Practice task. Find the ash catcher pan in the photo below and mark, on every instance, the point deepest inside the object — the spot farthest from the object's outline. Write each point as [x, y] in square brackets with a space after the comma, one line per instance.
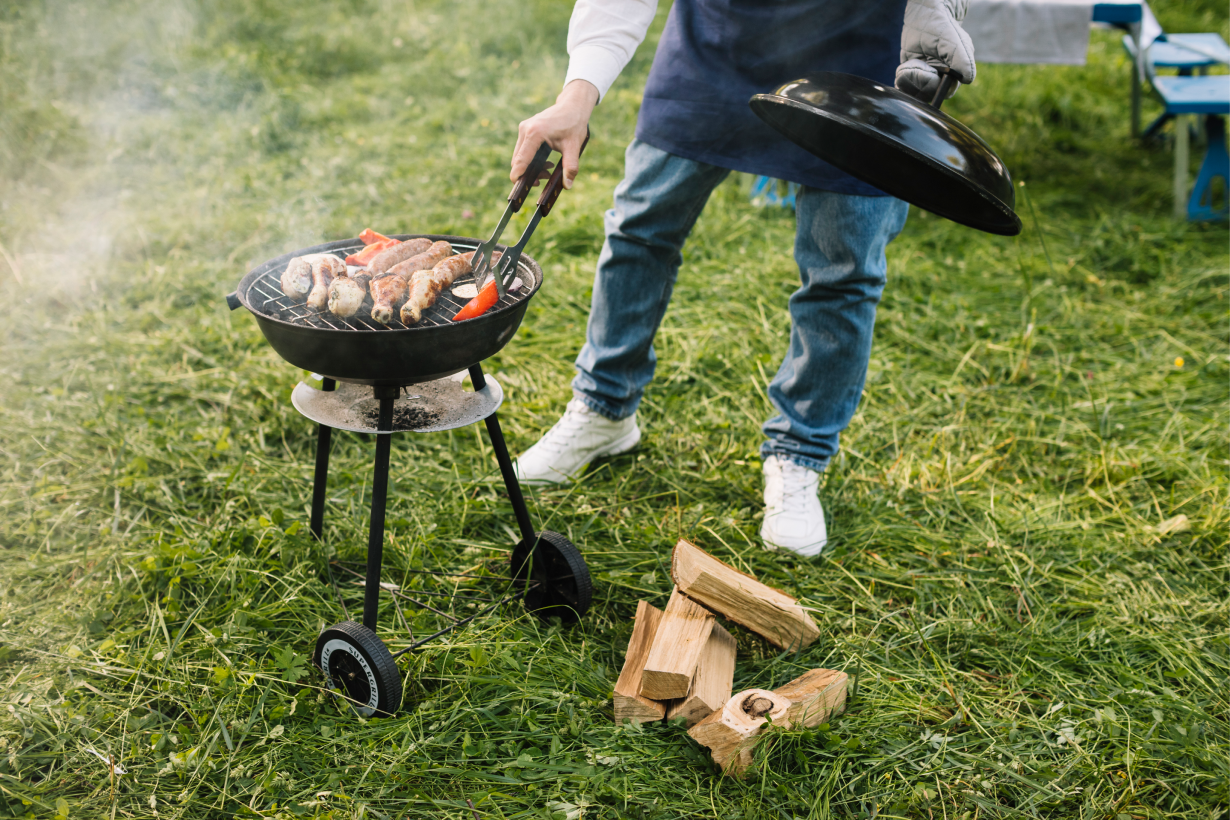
[907, 148]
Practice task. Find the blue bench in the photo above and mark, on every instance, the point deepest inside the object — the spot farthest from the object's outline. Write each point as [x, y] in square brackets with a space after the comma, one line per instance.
[765, 192]
[1207, 97]
[1186, 53]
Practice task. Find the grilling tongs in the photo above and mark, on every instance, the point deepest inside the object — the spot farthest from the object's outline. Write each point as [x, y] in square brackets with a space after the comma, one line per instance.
[481, 260]
[555, 185]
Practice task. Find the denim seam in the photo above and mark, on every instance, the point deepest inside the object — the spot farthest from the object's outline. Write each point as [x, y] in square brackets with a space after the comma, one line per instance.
[598, 408]
[802, 461]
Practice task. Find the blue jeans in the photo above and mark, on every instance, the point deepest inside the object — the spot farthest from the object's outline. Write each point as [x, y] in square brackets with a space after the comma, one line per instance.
[839, 247]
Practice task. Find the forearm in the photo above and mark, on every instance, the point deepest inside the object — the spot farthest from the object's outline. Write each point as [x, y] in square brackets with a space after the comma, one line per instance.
[581, 96]
[602, 37]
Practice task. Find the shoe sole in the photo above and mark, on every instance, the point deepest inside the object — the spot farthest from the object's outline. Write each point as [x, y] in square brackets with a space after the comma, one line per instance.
[615, 448]
[810, 551]
[806, 551]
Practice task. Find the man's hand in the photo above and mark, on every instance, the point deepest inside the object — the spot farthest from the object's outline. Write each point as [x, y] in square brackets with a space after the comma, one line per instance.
[562, 126]
[932, 39]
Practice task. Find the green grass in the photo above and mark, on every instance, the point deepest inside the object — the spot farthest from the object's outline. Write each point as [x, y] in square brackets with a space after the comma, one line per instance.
[1026, 641]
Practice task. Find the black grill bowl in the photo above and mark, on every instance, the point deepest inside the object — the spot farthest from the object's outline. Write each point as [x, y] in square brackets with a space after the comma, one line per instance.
[388, 356]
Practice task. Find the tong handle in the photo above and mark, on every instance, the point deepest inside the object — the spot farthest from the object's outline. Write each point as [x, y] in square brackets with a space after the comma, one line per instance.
[530, 178]
[555, 185]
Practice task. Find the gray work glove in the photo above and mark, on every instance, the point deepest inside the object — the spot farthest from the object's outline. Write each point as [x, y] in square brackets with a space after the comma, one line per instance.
[932, 39]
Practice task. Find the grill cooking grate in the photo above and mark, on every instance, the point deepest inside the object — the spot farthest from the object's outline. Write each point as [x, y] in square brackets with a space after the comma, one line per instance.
[265, 295]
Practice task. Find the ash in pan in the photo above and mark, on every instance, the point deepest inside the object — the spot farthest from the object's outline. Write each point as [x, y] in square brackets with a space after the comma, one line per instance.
[405, 417]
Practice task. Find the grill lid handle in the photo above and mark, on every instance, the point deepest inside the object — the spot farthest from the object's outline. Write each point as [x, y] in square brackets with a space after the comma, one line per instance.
[232, 301]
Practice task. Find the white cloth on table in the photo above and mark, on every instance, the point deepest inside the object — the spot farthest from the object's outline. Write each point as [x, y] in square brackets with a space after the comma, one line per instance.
[1039, 31]
[1030, 31]
[1150, 28]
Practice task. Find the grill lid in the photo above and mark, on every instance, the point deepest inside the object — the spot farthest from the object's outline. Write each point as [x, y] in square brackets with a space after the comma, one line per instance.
[904, 147]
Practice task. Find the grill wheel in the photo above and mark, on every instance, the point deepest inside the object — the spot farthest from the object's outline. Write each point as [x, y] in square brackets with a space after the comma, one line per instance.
[358, 663]
[554, 576]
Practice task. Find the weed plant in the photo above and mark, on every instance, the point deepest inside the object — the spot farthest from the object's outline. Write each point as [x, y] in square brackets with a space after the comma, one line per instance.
[1027, 572]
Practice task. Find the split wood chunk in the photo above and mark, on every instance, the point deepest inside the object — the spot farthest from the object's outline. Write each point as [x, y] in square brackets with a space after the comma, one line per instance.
[676, 649]
[715, 675]
[628, 701]
[815, 696]
[768, 612]
[731, 732]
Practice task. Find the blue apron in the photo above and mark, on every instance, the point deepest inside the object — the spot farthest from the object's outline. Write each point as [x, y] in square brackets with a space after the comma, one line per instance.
[715, 54]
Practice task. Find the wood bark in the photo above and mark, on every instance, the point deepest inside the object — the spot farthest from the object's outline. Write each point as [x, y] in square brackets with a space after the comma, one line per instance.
[680, 639]
[628, 701]
[711, 686]
[768, 612]
[731, 732]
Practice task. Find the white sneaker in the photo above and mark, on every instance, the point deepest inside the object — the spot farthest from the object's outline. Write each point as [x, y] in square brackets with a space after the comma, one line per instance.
[576, 439]
[793, 518]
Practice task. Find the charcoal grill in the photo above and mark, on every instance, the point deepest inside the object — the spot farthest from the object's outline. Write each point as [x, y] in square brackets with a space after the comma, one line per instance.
[362, 351]
[382, 380]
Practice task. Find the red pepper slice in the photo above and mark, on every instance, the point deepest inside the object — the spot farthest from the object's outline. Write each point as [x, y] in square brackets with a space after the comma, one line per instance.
[370, 237]
[480, 304]
[364, 256]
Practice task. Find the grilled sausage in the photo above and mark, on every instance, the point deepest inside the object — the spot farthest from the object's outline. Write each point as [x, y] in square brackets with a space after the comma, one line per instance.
[425, 286]
[423, 261]
[346, 295]
[324, 268]
[389, 257]
[455, 267]
[388, 294]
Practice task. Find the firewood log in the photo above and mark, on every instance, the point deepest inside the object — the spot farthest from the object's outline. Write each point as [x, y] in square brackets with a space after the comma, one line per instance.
[815, 696]
[715, 674]
[676, 649]
[628, 701]
[735, 595]
[731, 732]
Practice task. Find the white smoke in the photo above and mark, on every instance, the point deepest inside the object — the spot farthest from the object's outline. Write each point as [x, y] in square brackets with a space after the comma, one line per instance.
[151, 122]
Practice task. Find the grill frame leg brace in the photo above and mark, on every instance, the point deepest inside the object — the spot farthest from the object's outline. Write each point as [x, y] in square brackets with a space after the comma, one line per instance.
[320, 483]
[380, 491]
[506, 467]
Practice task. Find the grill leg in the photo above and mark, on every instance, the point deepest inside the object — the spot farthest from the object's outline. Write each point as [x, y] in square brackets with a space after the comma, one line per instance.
[380, 492]
[506, 468]
[324, 438]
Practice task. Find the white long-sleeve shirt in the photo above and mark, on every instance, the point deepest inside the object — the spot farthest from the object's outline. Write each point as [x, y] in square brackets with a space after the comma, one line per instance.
[603, 36]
